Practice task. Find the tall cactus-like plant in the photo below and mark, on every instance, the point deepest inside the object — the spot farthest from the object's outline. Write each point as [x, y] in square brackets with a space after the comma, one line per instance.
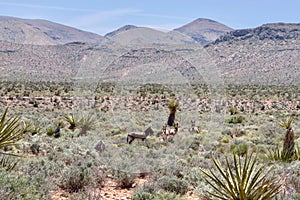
[289, 140]
[172, 105]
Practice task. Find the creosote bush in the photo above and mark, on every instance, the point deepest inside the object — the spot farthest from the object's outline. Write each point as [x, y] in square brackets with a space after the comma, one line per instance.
[173, 184]
[124, 179]
[74, 179]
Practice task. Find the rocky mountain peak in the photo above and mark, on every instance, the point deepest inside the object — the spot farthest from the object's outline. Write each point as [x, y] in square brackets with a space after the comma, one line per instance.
[274, 31]
[204, 30]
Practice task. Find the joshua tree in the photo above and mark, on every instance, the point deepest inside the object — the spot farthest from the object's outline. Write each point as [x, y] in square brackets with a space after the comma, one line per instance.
[172, 105]
[289, 140]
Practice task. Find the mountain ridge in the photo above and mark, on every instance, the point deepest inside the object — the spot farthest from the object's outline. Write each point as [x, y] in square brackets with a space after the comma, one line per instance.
[42, 32]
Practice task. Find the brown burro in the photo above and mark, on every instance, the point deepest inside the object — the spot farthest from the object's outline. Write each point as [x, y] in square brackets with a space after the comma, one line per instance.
[139, 135]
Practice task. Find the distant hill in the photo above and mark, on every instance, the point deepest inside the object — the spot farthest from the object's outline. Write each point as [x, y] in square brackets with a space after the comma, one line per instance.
[132, 35]
[274, 31]
[268, 54]
[120, 30]
[42, 32]
[204, 30]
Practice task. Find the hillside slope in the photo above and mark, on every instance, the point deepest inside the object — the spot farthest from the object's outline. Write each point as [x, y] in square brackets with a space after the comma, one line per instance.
[42, 32]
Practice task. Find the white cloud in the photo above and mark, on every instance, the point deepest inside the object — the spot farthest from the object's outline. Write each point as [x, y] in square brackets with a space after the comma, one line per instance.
[103, 16]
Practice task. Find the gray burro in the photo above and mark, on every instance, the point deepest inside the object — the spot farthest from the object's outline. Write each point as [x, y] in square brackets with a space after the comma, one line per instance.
[139, 135]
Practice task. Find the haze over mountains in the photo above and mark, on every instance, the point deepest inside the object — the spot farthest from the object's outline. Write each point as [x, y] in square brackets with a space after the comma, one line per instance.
[202, 50]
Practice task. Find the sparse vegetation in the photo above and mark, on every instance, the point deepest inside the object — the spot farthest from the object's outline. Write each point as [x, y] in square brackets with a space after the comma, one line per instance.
[170, 168]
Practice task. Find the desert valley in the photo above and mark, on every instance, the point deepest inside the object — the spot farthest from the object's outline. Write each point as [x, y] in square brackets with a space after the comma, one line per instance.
[69, 100]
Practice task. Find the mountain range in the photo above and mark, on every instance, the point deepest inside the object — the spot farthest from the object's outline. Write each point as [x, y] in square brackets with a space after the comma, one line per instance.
[203, 50]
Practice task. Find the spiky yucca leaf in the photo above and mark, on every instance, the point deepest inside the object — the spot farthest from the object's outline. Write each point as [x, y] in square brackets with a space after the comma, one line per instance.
[245, 179]
[173, 105]
[7, 164]
[287, 123]
[9, 131]
[10, 134]
[73, 121]
[86, 123]
[278, 154]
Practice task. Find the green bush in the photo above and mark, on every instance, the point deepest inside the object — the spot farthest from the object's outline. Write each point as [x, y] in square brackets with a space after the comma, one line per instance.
[240, 149]
[236, 119]
[124, 179]
[18, 187]
[173, 184]
[74, 179]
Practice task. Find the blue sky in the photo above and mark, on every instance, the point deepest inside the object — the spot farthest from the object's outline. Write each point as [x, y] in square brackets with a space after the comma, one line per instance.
[104, 16]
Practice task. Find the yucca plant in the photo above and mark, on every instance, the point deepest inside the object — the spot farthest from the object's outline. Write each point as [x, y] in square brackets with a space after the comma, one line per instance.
[289, 140]
[278, 154]
[243, 180]
[87, 123]
[26, 126]
[72, 121]
[10, 134]
[172, 105]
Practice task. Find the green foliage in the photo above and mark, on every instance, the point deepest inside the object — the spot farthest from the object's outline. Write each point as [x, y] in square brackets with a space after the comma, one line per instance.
[166, 195]
[240, 149]
[236, 119]
[73, 121]
[10, 133]
[75, 179]
[289, 139]
[277, 154]
[87, 123]
[287, 124]
[18, 187]
[245, 179]
[173, 105]
[124, 179]
[173, 184]
[50, 131]
[146, 192]
[7, 163]
[233, 111]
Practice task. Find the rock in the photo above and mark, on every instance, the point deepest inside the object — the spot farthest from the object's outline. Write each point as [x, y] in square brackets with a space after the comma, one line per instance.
[100, 146]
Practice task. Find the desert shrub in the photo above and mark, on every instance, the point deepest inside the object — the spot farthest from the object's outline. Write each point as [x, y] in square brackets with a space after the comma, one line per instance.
[244, 179]
[86, 123]
[75, 178]
[50, 131]
[72, 120]
[236, 119]
[146, 192]
[16, 186]
[124, 179]
[141, 195]
[239, 149]
[173, 184]
[166, 195]
[194, 177]
[233, 111]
